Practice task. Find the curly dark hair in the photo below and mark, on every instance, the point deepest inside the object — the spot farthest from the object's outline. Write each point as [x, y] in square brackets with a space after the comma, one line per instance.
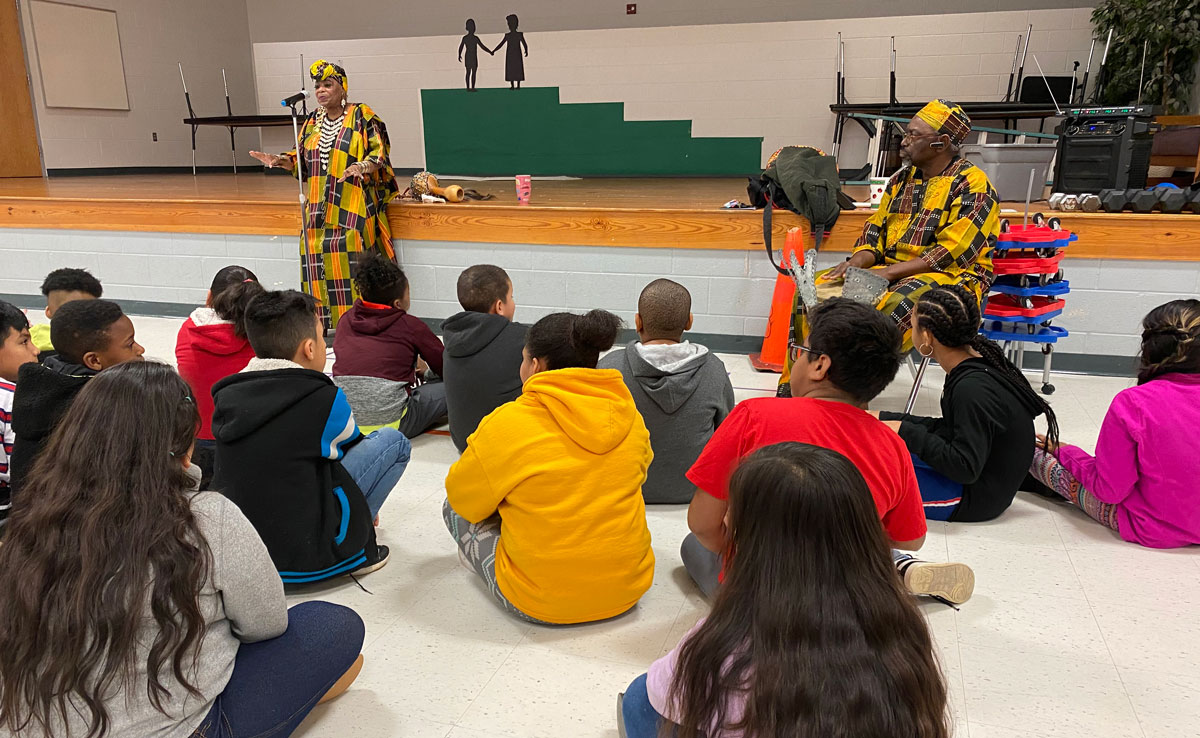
[1170, 340]
[72, 280]
[379, 279]
[951, 313]
[82, 326]
[863, 346]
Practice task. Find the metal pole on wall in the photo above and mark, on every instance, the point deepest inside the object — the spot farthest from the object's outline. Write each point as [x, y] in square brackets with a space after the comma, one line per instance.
[191, 114]
[229, 110]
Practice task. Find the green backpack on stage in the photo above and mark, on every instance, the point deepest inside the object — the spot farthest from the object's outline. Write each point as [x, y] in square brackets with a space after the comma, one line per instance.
[804, 180]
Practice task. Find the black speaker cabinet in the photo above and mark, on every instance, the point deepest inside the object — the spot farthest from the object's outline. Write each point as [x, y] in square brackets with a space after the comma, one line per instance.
[1104, 148]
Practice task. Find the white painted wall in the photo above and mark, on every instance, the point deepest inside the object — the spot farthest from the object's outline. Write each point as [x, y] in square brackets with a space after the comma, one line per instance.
[301, 20]
[773, 80]
[155, 36]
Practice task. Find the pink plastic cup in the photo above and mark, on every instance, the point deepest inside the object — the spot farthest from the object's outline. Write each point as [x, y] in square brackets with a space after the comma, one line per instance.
[524, 187]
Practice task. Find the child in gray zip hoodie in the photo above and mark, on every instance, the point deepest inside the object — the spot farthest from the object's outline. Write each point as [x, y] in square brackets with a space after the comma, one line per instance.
[681, 389]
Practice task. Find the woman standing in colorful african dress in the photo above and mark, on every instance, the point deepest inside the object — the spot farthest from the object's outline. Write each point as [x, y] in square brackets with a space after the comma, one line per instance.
[350, 181]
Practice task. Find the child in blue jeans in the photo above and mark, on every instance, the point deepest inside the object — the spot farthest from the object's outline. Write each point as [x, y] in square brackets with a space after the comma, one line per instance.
[199, 639]
[291, 455]
[969, 462]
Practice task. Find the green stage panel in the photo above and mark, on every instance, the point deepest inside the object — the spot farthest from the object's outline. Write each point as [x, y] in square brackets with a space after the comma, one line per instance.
[529, 131]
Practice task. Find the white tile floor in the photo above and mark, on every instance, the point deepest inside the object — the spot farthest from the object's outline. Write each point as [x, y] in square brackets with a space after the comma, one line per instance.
[1071, 631]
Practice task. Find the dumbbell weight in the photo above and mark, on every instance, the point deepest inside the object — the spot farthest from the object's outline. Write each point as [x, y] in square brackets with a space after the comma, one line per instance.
[1144, 201]
[1193, 204]
[1172, 200]
[1114, 201]
[1056, 200]
[1089, 203]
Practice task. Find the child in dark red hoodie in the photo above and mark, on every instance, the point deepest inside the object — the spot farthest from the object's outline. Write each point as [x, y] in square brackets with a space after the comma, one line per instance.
[378, 347]
[212, 345]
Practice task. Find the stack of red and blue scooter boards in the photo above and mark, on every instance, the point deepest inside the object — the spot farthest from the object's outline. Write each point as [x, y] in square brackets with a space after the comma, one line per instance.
[1029, 288]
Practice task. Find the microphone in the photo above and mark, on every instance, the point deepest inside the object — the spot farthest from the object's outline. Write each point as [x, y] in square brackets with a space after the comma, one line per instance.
[937, 145]
[293, 99]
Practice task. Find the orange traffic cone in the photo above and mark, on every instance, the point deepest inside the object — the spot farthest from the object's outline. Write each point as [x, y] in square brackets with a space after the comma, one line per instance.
[775, 340]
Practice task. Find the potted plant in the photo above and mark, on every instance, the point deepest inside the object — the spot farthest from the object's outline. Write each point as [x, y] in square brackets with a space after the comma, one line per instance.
[1172, 30]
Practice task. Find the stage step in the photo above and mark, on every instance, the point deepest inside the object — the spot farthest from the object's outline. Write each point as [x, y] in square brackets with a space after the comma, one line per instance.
[497, 131]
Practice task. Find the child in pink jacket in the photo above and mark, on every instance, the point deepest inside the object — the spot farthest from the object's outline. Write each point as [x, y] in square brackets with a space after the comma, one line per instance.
[1142, 482]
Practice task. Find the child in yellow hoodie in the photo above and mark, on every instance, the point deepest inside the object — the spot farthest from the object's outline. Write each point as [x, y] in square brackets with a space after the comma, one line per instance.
[546, 502]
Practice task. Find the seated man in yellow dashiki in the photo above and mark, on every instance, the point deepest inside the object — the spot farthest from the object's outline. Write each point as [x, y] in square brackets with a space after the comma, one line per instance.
[937, 222]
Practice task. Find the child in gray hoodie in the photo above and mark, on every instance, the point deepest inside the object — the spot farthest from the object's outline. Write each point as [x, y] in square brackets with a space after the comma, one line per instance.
[483, 350]
[681, 389]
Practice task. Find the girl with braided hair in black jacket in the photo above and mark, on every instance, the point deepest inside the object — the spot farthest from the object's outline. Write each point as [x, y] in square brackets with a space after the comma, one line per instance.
[971, 461]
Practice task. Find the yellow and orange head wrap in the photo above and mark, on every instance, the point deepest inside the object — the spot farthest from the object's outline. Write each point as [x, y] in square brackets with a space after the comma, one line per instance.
[946, 117]
[322, 70]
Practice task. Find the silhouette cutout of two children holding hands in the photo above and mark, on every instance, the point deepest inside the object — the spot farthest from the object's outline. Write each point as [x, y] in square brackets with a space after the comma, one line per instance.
[514, 62]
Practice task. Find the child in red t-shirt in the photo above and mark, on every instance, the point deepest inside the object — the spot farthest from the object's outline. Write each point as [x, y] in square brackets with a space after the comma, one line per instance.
[851, 355]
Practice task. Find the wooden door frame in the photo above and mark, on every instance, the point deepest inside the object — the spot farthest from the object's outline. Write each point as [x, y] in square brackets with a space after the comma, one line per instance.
[18, 18]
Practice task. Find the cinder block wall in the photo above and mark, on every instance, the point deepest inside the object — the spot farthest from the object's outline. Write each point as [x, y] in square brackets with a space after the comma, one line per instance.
[168, 274]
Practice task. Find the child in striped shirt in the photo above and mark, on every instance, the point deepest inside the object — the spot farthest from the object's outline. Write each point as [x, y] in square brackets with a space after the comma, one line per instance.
[16, 348]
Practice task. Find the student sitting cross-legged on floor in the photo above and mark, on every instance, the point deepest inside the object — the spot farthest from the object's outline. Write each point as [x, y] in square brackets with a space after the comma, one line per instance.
[290, 454]
[851, 355]
[212, 345]
[681, 389]
[16, 350]
[971, 461]
[546, 502]
[90, 335]
[378, 347]
[483, 350]
[1142, 481]
[60, 287]
[135, 604]
[811, 634]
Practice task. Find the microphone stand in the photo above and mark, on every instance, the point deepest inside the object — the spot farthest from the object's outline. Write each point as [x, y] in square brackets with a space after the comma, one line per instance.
[300, 180]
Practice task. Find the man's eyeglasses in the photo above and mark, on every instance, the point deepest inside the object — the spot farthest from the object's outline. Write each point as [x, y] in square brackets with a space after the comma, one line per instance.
[794, 349]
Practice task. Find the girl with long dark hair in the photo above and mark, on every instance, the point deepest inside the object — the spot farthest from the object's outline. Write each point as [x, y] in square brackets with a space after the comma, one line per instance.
[133, 605]
[1141, 482]
[546, 502]
[971, 461]
[812, 632]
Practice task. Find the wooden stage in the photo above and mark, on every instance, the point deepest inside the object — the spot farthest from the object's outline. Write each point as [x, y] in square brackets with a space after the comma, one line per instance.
[647, 212]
